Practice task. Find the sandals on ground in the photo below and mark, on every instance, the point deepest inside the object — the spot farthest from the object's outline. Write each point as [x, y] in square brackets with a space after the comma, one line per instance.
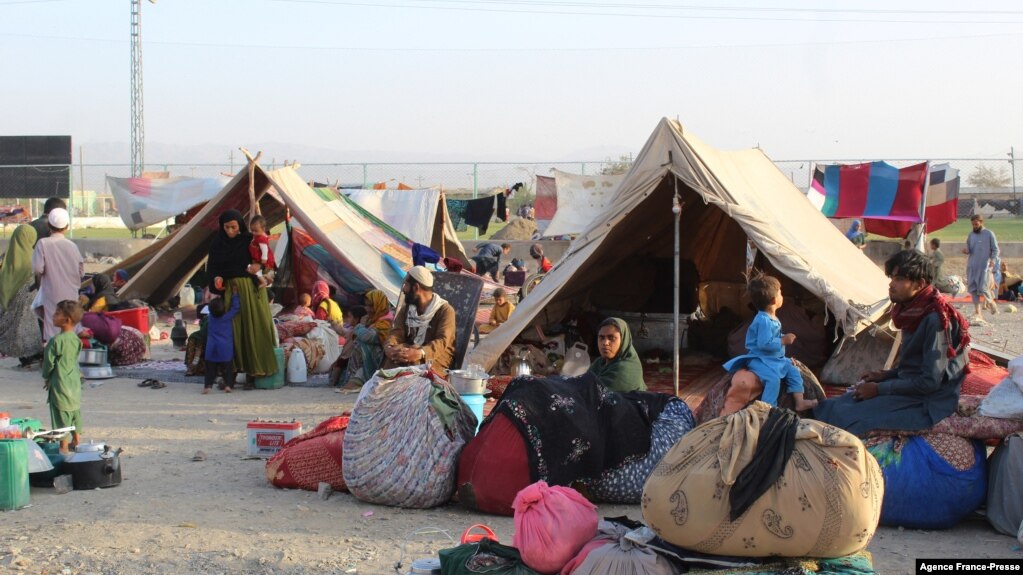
[157, 384]
[148, 383]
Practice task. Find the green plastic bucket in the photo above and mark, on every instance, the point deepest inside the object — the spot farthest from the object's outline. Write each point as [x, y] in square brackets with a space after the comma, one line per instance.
[14, 488]
[275, 381]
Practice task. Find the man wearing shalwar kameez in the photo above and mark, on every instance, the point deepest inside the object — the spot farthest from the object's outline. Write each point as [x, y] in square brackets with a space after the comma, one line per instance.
[58, 264]
[982, 249]
[924, 388]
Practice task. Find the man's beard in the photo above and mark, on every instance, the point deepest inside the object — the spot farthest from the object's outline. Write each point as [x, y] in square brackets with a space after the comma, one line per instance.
[978, 230]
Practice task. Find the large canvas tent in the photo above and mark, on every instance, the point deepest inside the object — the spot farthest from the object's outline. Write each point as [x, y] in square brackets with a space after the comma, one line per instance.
[352, 238]
[624, 257]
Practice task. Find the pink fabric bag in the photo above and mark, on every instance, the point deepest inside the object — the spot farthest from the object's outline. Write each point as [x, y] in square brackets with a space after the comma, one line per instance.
[551, 525]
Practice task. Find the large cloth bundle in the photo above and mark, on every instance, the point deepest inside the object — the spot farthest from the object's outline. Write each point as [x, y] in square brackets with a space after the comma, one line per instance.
[493, 467]
[611, 553]
[403, 441]
[485, 556]
[1004, 496]
[551, 525]
[311, 458]
[575, 428]
[931, 481]
[624, 484]
[824, 502]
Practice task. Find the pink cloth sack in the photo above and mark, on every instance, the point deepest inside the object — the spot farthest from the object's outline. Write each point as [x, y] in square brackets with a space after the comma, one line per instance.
[551, 525]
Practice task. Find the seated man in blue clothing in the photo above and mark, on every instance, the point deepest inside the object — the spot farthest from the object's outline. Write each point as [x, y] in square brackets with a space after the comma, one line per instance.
[924, 387]
[487, 258]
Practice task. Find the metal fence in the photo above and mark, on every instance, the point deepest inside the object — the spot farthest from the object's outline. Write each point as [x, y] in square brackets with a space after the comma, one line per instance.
[988, 186]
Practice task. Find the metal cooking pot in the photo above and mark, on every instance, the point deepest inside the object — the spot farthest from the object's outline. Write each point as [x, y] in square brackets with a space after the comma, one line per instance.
[92, 357]
[94, 465]
[97, 371]
[467, 382]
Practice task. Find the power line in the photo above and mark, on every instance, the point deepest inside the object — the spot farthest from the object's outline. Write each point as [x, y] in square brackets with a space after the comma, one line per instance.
[638, 15]
[520, 49]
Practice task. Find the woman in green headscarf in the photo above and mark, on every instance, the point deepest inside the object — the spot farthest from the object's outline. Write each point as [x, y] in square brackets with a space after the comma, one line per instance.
[618, 366]
[19, 329]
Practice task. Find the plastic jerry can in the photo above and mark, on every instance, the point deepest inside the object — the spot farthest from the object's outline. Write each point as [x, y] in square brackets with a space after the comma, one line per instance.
[14, 489]
[275, 380]
[297, 366]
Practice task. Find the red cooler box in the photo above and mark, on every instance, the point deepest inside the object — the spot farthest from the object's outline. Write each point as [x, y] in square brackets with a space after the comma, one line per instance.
[266, 438]
[137, 318]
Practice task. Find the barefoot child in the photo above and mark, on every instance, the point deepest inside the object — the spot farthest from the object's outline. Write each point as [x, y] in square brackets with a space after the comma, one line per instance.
[260, 251]
[220, 343]
[765, 347]
[63, 379]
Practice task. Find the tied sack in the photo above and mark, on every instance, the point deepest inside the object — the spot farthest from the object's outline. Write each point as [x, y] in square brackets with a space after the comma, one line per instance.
[311, 458]
[551, 525]
[825, 502]
[403, 440]
[612, 553]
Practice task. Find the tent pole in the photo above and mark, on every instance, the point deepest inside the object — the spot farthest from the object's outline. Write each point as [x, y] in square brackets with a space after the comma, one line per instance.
[443, 227]
[676, 210]
[922, 235]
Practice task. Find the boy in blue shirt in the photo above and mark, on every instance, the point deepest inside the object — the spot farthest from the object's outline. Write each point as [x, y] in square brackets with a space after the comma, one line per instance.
[220, 343]
[765, 347]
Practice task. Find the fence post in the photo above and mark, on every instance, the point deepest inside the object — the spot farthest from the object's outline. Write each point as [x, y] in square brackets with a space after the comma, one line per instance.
[582, 168]
[365, 176]
[475, 189]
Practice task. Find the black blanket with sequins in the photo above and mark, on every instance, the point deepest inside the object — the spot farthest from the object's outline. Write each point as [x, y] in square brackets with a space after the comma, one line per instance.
[575, 428]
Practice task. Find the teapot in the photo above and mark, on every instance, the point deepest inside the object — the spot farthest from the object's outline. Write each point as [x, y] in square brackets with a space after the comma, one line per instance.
[520, 366]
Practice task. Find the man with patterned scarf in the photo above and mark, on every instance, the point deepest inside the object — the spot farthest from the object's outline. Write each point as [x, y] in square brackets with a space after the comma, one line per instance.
[424, 326]
[924, 387]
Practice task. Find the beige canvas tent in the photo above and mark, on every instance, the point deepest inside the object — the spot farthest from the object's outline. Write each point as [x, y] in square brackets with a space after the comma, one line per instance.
[623, 260]
[351, 238]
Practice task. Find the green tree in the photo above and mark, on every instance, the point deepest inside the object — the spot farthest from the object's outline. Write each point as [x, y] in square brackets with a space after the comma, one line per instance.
[985, 176]
[615, 167]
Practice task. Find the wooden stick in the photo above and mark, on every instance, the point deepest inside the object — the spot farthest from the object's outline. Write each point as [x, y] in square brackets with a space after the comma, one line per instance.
[894, 352]
[253, 204]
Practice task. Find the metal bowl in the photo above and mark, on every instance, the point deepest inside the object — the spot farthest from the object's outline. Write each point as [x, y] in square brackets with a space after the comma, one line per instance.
[97, 372]
[467, 382]
[92, 357]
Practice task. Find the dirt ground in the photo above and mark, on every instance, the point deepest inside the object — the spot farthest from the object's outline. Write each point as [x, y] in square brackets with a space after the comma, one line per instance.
[173, 515]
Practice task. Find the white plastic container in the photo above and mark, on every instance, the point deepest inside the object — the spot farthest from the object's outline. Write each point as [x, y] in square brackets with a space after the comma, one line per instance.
[297, 366]
[187, 296]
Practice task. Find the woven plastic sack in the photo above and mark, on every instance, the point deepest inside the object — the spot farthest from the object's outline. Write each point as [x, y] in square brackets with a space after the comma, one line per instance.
[931, 481]
[397, 450]
[624, 484]
[826, 503]
[551, 525]
[1004, 497]
[311, 458]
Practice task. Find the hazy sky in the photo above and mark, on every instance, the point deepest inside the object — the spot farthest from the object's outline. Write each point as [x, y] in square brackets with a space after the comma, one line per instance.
[524, 79]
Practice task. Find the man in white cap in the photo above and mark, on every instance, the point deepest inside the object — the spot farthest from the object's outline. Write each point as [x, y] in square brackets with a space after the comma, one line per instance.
[58, 265]
[424, 326]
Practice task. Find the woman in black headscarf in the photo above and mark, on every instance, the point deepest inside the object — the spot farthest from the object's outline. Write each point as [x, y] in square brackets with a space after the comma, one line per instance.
[230, 267]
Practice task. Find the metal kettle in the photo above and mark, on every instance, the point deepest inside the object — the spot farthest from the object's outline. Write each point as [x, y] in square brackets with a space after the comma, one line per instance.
[520, 366]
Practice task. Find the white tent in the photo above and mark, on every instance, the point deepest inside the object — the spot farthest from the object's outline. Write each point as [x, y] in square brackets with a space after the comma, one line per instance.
[421, 215]
[728, 197]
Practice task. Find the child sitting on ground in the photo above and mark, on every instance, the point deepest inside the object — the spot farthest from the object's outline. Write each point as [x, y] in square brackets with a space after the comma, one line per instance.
[765, 347]
[304, 306]
[260, 251]
[220, 343]
[61, 375]
[502, 308]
